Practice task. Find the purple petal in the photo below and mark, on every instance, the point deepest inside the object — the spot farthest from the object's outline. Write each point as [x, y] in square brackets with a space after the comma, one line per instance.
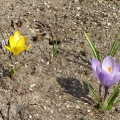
[96, 75]
[109, 62]
[98, 70]
[94, 65]
[116, 77]
[105, 78]
[117, 68]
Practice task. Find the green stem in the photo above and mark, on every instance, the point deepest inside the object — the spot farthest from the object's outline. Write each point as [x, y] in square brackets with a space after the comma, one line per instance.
[11, 70]
[105, 103]
[25, 62]
[104, 106]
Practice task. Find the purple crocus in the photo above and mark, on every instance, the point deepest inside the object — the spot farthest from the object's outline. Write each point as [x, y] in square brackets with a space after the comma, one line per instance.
[106, 72]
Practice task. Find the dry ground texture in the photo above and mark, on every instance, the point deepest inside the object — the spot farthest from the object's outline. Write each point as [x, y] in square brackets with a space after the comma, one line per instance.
[45, 90]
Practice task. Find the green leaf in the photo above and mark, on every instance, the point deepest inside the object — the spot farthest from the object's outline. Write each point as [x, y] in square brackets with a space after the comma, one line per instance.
[114, 48]
[112, 98]
[113, 104]
[94, 93]
[116, 102]
[95, 52]
[25, 62]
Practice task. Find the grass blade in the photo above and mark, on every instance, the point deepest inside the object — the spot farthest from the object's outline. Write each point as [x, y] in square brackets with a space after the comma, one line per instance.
[116, 103]
[113, 97]
[94, 93]
[113, 50]
[95, 52]
[25, 62]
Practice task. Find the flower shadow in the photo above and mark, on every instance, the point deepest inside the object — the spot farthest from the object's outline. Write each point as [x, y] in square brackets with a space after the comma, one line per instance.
[75, 88]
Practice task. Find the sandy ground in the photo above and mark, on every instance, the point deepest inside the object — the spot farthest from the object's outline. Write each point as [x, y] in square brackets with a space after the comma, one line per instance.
[45, 90]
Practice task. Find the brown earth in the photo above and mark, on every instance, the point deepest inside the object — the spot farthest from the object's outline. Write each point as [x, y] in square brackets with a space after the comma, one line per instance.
[45, 90]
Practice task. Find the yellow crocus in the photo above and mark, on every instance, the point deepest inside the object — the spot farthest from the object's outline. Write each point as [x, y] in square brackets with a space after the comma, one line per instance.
[17, 43]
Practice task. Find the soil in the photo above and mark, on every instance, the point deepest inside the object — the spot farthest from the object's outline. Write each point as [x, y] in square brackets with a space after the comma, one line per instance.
[54, 89]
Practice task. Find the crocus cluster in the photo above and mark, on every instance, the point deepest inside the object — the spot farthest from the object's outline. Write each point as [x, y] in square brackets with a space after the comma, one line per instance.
[17, 44]
[107, 72]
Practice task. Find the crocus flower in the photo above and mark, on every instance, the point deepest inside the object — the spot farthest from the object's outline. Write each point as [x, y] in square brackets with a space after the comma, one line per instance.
[17, 44]
[106, 72]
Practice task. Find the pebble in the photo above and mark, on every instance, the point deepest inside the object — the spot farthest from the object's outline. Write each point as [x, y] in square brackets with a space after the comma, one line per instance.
[115, 14]
[88, 110]
[44, 107]
[67, 106]
[108, 24]
[77, 14]
[76, 1]
[78, 101]
[55, 69]
[32, 85]
[48, 63]
[44, 3]
[48, 6]
[51, 111]
[78, 8]
[60, 97]
[30, 116]
[77, 107]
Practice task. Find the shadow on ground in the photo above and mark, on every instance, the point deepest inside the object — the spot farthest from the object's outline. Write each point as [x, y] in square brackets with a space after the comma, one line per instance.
[75, 88]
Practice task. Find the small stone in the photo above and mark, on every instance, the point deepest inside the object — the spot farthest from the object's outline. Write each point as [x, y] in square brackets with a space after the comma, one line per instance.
[77, 15]
[48, 6]
[32, 85]
[55, 69]
[51, 111]
[76, 1]
[48, 63]
[45, 3]
[77, 107]
[114, 14]
[37, 10]
[67, 106]
[30, 116]
[78, 8]
[60, 97]
[44, 107]
[32, 31]
[88, 110]
[108, 24]
[78, 101]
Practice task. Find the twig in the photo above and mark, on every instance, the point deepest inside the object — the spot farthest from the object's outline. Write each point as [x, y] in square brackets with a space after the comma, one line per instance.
[2, 115]
[8, 111]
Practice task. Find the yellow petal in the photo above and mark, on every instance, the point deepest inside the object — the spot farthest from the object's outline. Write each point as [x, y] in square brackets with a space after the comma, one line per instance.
[20, 46]
[8, 48]
[28, 47]
[16, 36]
[21, 43]
[12, 42]
[15, 51]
